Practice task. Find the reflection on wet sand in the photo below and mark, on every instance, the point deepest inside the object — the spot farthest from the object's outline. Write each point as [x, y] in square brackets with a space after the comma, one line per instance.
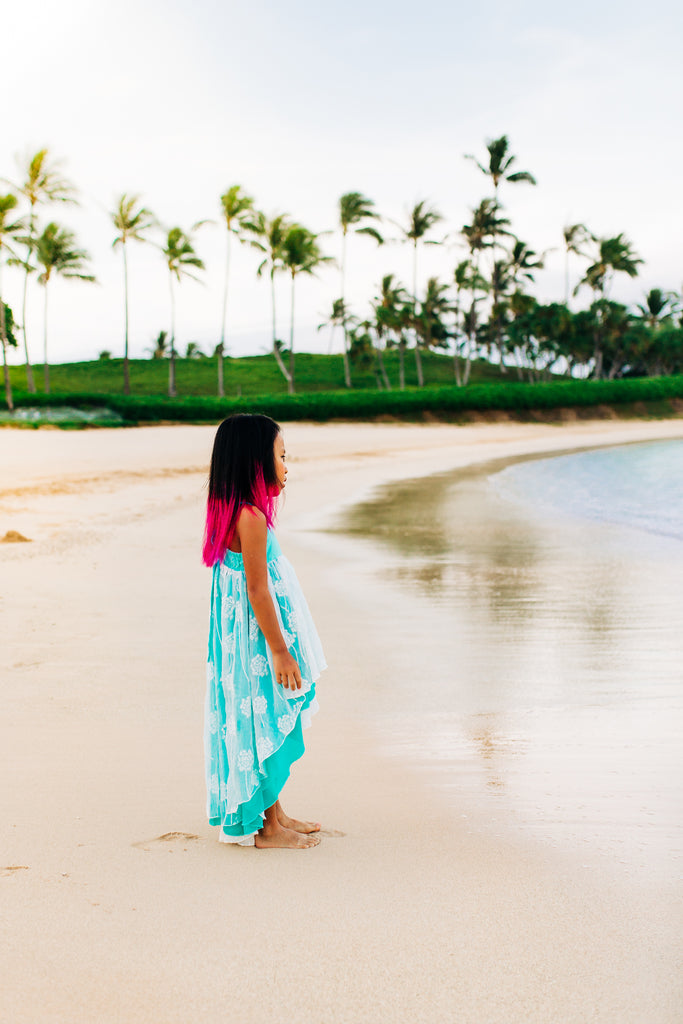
[553, 656]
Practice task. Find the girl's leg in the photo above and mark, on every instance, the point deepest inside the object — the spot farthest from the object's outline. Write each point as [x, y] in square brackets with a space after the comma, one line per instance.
[273, 834]
[306, 827]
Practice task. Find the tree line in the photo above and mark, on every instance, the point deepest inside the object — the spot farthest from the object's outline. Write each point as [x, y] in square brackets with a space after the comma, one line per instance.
[484, 310]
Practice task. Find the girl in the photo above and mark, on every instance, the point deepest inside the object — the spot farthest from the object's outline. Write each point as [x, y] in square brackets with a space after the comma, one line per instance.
[264, 652]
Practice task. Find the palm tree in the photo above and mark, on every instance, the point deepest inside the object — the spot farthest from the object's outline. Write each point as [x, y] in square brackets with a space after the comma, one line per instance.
[236, 207]
[179, 254]
[392, 312]
[421, 220]
[354, 208]
[659, 307]
[56, 253]
[466, 278]
[131, 221]
[501, 282]
[435, 307]
[576, 236]
[499, 166]
[268, 237]
[523, 261]
[300, 255]
[615, 255]
[43, 183]
[158, 351]
[337, 317]
[488, 223]
[8, 341]
[10, 229]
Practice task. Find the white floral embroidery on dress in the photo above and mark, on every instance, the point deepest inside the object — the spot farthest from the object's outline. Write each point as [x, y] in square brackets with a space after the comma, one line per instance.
[228, 576]
[285, 723]
[279, 588]
[259, 665]
[245, 706]
[239, 615]
[231, 643]
[213, 721]
[213, 784]
[245, 760]
[253, 628]
[224, 791]
[288, 638]
[293, 619]
[260, 705]
[264, 747]
[230, 727]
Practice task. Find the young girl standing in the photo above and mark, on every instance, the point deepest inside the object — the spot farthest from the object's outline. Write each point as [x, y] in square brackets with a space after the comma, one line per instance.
[264, 653]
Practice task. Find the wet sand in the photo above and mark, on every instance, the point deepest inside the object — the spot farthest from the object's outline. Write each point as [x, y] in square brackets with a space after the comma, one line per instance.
[555, 701]
[120, 903]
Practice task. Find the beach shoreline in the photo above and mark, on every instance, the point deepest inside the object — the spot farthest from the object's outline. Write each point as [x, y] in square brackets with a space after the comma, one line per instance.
[122, 905]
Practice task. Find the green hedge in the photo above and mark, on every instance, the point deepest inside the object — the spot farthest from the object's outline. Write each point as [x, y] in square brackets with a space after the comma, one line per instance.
[320, 406]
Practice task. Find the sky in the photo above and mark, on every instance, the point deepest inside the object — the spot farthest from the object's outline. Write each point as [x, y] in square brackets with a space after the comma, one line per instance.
[301, 102]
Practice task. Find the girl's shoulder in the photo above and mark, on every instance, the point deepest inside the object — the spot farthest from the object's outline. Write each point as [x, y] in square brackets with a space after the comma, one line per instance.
[247, 511]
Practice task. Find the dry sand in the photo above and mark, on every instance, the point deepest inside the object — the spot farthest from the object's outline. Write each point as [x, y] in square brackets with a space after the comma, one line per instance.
[117, 902]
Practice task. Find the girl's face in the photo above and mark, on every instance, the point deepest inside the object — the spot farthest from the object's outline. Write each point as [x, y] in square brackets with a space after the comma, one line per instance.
[280, 467]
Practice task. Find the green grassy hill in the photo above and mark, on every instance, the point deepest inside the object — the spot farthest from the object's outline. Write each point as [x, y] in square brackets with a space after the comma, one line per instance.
[249, 375]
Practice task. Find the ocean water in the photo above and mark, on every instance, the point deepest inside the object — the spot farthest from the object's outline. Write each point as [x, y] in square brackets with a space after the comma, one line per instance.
[638, 486]
[534, 614]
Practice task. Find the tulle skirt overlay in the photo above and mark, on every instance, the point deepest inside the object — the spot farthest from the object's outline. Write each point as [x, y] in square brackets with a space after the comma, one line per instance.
[253, 725]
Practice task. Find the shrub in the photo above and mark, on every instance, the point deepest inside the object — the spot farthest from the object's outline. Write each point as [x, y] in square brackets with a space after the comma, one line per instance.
[367, 404]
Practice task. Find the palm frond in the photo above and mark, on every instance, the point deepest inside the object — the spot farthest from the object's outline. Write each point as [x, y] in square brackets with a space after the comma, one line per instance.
[354, 207]
[373, 233]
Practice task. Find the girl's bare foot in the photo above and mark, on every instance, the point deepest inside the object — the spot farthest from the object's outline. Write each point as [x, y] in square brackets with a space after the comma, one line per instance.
[304, 827]
[278, 837]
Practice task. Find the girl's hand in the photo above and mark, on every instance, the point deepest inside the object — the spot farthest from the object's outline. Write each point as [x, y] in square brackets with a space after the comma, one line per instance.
[286, 671]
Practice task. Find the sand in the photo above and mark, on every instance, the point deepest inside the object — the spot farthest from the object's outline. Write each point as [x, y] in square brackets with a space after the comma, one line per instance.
[117, 902]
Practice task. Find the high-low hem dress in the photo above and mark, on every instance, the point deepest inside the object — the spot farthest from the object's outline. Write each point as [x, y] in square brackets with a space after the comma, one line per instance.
[253, 725]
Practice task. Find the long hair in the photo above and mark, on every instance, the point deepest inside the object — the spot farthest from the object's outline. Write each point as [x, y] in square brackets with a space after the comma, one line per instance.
[242, 473]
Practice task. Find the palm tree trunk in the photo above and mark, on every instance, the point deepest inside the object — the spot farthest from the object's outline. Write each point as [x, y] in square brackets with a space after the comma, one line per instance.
[126, 371]
[456, 358]
[276, 352]
[494, 282]
[221, 347]
[401, 363]
[172, 393]
[418, 360]
[5, 367]
[347, 368]
[290, 380]
[383, 369]
[31, 384]
[597, 343]
[418, 364]
[468, 362]
[46, 365]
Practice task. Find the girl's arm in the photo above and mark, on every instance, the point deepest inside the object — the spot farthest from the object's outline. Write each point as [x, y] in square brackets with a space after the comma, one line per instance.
[253, 537]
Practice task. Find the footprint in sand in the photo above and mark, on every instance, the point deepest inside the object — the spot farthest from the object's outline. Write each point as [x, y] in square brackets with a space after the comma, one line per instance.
[330, 833]
[10, 869]
[170, 841]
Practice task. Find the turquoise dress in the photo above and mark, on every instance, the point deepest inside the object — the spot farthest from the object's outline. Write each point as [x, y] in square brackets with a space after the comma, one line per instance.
[253, 725]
